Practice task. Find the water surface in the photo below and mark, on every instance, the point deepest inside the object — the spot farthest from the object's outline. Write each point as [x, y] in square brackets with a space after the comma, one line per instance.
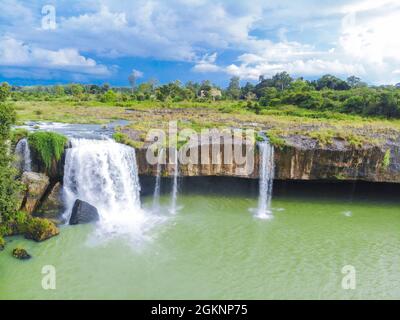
[214, 248]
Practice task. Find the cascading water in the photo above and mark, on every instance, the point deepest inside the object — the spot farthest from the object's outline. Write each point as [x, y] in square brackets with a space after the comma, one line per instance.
[24, 154]
[104, 174]
[157, 188]
[266, 180]
[174, 194]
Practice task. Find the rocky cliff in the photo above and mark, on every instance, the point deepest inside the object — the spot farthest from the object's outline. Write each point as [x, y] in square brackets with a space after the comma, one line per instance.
[302, 158]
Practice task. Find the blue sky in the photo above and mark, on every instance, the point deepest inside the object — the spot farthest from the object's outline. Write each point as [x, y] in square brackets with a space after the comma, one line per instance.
[97, 41]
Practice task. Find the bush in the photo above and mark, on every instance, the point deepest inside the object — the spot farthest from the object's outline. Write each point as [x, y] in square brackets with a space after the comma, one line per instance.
[9, 187]
[17, 135]
[49, 146]
[39, 229]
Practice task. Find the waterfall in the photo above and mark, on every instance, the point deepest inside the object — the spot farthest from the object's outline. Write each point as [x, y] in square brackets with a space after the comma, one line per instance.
[104, 174]
[174, 194]
[24, 154]
[157, 188]
[266, 173]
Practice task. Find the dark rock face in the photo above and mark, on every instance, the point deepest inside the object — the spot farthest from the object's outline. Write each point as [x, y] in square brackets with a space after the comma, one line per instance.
[52, 206]
[83, 212]
[21, 254]
[55, 172]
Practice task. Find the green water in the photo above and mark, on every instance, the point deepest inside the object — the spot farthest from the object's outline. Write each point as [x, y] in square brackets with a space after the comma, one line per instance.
[214, 249]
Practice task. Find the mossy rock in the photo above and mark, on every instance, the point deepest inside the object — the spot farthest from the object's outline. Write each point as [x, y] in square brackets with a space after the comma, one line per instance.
[39, 229]
[21, 254]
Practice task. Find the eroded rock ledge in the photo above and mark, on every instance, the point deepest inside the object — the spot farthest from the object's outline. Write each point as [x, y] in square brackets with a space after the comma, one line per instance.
[303, 158]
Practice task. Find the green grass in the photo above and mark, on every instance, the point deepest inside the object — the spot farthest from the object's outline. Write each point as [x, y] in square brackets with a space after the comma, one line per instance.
[49, 145]
[282, 121]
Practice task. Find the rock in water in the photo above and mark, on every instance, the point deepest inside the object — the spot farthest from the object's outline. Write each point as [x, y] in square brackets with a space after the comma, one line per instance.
[39, 229]
[83, 212]
[21, 254]
[36, 186]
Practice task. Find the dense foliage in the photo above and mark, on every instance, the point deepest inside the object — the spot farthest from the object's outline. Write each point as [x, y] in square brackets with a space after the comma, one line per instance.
[48, 145]
[328, 93]
[9, 187]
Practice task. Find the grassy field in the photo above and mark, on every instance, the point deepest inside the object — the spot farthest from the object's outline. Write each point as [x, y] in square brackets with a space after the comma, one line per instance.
[280, 122]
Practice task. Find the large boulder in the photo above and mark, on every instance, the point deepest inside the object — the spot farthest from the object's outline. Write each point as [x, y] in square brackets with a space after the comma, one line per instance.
[83, 212]
[36, 186]
[39, 229]
[52, 206]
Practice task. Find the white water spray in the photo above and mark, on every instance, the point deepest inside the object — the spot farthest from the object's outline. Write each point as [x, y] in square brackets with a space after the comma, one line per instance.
[174, 194]
[24, 154]
[157, 188]
[266, 180]
[104, 174]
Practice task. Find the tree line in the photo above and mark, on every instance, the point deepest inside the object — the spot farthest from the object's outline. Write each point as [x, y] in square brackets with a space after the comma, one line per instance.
[328, 93]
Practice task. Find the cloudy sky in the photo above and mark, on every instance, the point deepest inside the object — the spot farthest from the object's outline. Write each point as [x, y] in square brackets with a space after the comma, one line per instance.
[98, 41]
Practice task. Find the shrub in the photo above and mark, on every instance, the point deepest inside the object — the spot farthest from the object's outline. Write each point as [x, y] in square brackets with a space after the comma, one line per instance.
[124, 139]
[39, 229]
[17, 135]
[49, 146]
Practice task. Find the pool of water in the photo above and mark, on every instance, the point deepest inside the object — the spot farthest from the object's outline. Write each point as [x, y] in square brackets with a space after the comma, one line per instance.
[214, 248]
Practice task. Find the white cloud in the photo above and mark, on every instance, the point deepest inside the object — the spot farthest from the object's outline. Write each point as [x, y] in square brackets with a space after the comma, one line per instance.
[14, 53]
[304, 37]
[207, 64]
[138, 74]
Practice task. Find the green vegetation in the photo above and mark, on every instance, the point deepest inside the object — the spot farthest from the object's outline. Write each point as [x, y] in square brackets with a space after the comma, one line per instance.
[327, 94]
[2, 243]
[124, 139]
[49, 145]
[325, 109]
[18, 134]
[40, 229]
[9, 187]
[275, 139]
[386, 160]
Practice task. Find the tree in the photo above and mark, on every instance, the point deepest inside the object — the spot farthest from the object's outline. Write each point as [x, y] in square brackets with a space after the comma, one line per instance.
[331, 82]
[215, 93]
[282, 80]
[109, 96]
[353, 81]
[9, 187]
[59, 90]
[233, 90]
[105, 87]
[77, 90]
[4, 91]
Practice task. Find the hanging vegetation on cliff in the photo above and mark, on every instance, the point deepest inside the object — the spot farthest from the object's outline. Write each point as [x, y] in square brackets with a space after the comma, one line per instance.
[48, 145]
